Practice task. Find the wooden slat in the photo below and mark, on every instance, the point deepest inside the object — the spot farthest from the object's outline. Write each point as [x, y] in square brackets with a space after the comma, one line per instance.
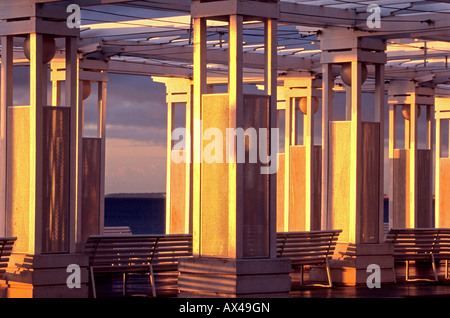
[307, 248]
[6, 246]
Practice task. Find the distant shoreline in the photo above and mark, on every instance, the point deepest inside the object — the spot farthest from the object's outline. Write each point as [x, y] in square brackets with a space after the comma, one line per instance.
[153, 195]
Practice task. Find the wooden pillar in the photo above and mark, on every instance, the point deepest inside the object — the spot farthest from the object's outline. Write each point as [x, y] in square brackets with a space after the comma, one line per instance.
[410, 197]
[442, 165]
[200, 82]
[270, 89]
[327, 115]
[39, 201]
[6, 95]
[234, 229]
[302, 182]
[353, 158]
[178, 193]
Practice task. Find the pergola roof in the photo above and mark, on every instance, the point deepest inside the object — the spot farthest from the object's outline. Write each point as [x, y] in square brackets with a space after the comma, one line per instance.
[154, 37]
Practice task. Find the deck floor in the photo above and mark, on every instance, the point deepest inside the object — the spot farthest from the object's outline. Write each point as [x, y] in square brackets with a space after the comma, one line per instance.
[138, 286]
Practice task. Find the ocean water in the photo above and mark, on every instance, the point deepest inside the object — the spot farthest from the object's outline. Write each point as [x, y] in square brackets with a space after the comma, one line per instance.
[147, 215]
[142, 215]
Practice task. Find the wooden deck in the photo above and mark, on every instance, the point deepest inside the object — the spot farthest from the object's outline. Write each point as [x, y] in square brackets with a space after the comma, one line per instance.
[110, 286]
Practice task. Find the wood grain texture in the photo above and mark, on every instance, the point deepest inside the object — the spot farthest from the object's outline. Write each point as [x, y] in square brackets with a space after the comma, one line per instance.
[177, 197]
[444, 193]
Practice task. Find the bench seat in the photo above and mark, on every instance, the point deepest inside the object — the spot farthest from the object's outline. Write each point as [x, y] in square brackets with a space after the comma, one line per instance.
[147, 254]
[308, 248]
[421, 244]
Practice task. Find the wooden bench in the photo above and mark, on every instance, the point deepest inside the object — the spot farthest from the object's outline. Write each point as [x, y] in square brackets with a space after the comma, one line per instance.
[145, 254]
[6, 246]
[421, 244]
[308, 248]
[441, 249]
[117, 230]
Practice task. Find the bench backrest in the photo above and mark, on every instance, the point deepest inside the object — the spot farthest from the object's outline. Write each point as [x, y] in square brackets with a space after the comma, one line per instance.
[419, 240]
[117, 230]
[442, 245]
[308, 246]
[136, 250]
[6, 246]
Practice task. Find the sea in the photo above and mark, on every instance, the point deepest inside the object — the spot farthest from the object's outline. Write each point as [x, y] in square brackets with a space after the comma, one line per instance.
[145, 213]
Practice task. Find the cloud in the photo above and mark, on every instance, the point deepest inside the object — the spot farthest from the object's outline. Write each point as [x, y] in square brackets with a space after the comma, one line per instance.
[136, 109]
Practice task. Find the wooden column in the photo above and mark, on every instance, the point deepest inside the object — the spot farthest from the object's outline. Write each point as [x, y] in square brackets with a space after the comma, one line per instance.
[327, 115]
[178, 193]
[234, 211]
[353, 158]
[200, 82]
[410, 197]
[442, 165]
[6, 95]
[302, 182]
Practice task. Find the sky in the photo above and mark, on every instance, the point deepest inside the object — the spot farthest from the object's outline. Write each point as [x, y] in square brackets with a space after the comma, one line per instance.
[136, 121]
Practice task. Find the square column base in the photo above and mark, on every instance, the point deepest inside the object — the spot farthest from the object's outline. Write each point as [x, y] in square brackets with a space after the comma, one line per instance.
[44, 276]
[348, 267]
[218, 277]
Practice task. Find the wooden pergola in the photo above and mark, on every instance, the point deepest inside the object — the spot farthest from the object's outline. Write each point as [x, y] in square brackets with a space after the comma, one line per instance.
[290, 50]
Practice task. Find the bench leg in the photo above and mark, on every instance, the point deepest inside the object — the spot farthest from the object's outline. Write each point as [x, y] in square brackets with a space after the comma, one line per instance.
[93, 282]
[301, 275]
[434, 267]
[393, 270]
[446, 269]
[330, 283]
[124, 284]
[152, 281]
[407, 270]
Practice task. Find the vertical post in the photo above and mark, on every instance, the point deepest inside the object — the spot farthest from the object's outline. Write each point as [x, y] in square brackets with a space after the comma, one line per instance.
[6, 95]
[102, 90]
[36, 142]
[355, 153]
[437, 181]
[56, 93]
[188, 160]
[287, 146]
[71, 88]
[379, 117]
[270, 88]
[170, 110]
[412, 161]
[408, 133]
[430, 113]
[348, 103]
[236, 97]
[308, 142]
[327, 100]
[392, 139]
[200, 78]
[429, 127]
[80, 136]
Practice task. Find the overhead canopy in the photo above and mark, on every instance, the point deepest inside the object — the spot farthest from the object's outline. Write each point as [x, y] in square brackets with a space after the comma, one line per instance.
[155, 37]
